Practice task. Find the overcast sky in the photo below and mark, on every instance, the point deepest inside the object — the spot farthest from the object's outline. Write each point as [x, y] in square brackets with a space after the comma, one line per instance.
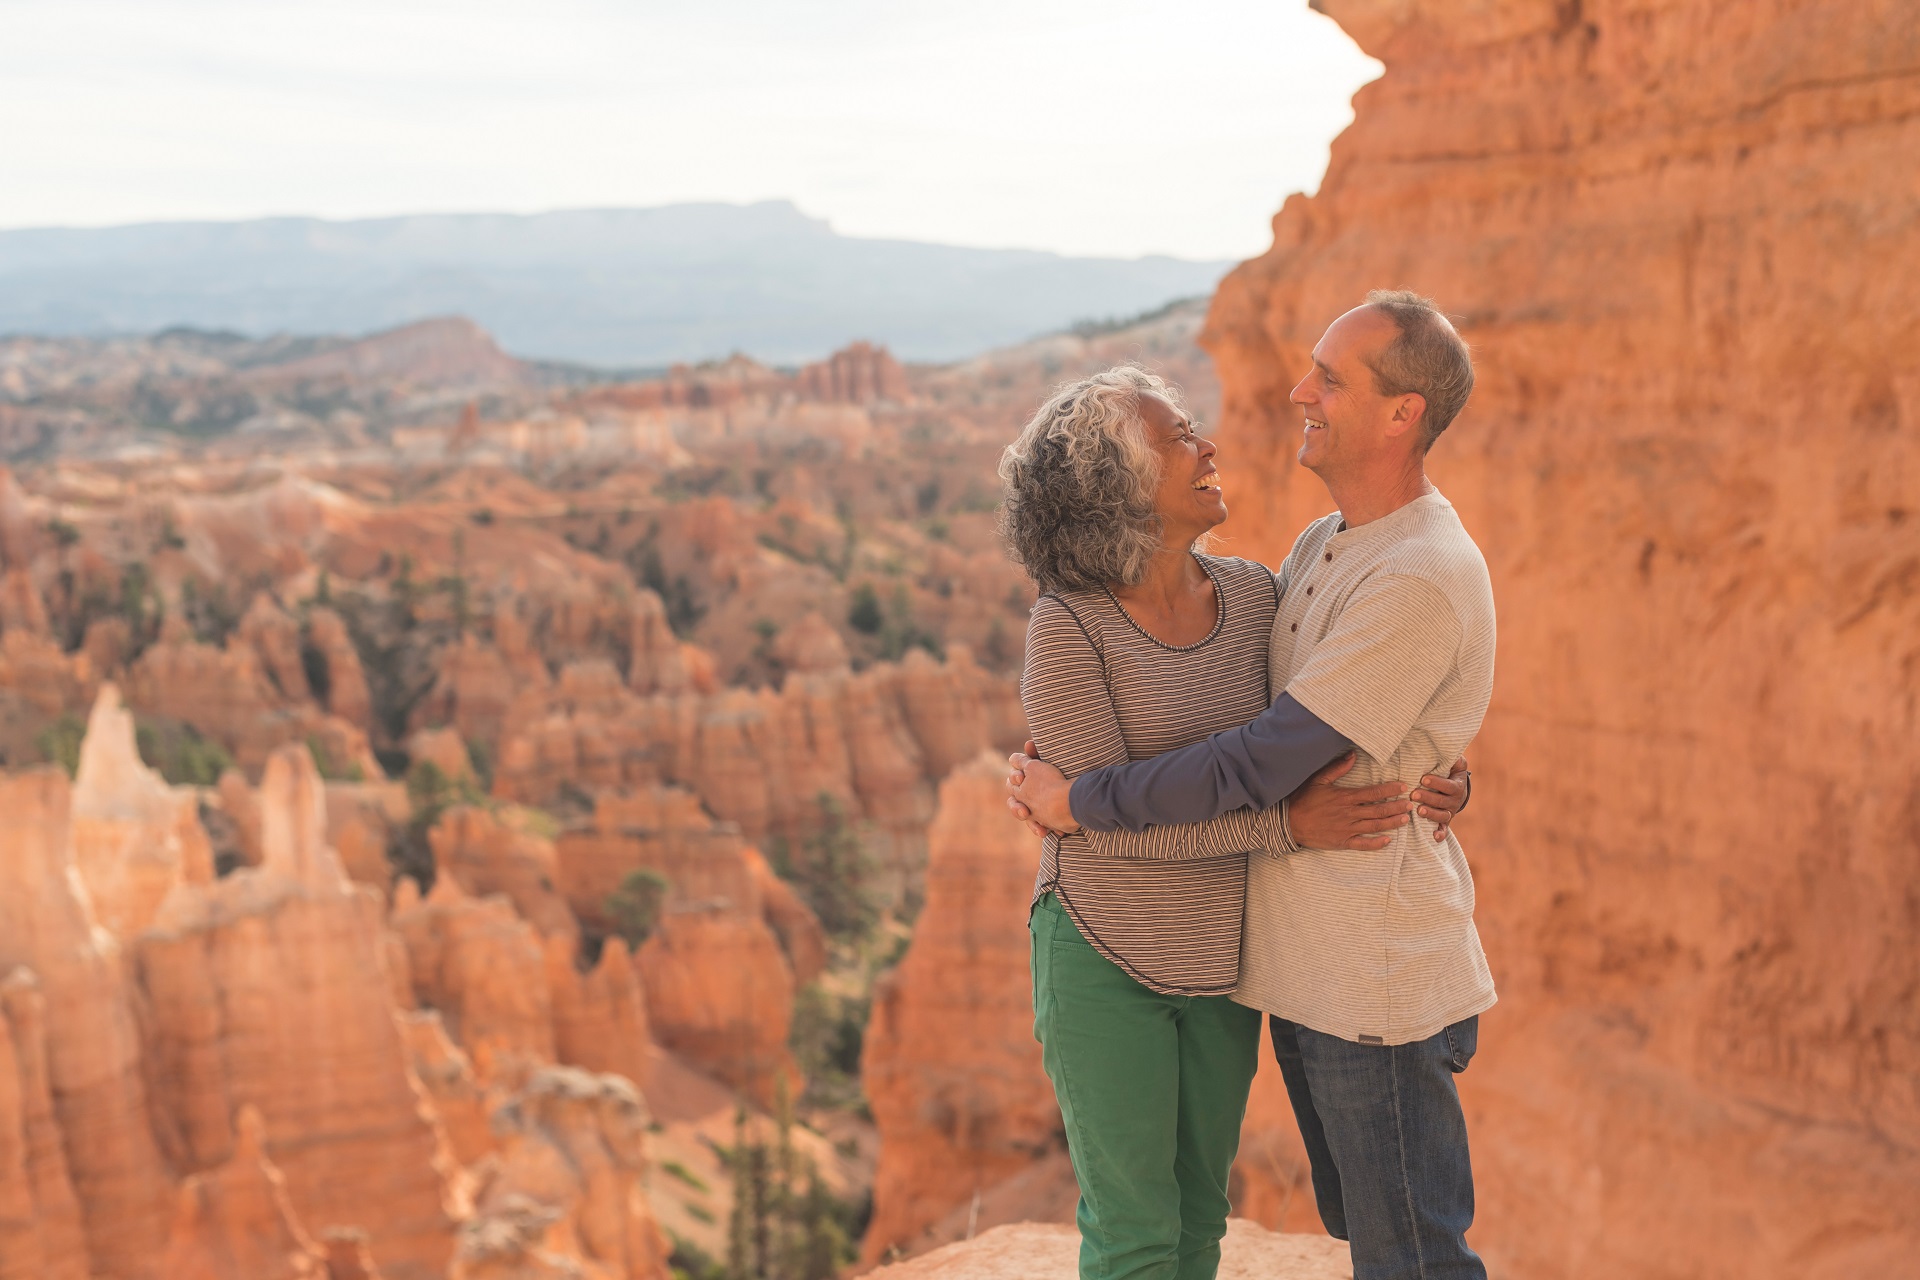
[1084, 126]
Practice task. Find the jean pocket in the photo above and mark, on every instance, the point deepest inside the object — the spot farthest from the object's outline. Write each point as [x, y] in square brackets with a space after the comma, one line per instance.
[1058, 926]
[1463, 1038]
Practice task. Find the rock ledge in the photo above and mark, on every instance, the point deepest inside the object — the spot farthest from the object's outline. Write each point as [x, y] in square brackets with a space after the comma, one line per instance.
[1041, 1251]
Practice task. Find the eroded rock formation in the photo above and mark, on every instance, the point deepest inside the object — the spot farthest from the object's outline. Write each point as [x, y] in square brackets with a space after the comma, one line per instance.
[488, 851]
[93, 1070]
[236, 1222]
[345, 693]
[134, 837]
[269, 989]
[482, 967]
[951, 1067]
[600, 1016]
[1681, 245]
[867, 746]
[251, 696]
[575, 1143]
[718, 983]
[40, 1232]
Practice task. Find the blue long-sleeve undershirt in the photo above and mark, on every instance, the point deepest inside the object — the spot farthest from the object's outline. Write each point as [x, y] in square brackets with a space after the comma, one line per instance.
[1256, 765]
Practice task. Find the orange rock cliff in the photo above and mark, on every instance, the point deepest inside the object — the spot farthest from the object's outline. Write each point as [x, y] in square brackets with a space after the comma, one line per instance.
[1675, 239]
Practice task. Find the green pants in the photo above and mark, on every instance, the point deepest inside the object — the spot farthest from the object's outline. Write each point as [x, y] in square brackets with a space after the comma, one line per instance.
[1152, 1089]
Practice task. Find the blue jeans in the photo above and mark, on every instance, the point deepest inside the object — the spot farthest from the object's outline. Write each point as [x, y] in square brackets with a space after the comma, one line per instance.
[1388, 1146]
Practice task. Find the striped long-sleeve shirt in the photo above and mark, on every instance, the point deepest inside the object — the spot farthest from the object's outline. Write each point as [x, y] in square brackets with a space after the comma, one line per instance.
[1164, 905]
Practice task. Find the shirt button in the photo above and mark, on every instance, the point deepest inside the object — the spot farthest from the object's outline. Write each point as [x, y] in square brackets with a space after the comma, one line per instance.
[1309, 590]
[1329, 557]
[1296, 626]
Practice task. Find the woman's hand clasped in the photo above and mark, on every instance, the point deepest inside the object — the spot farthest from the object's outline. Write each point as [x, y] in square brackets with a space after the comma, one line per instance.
[1323, 815]
[1037, 794]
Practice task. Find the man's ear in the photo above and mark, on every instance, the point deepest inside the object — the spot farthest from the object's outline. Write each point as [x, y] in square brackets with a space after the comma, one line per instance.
[1407, 414]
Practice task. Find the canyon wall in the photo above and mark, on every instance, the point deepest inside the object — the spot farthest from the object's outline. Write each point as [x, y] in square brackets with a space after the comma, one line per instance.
[1684, 240]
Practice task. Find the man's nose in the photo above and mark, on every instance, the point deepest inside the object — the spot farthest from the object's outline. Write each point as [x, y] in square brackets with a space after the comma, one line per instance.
[1300, 393]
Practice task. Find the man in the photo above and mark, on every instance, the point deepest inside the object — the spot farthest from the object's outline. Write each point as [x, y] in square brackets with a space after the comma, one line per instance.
[1367, 963]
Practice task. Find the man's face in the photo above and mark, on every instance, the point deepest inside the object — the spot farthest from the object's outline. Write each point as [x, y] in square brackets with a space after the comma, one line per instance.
[1348, 421]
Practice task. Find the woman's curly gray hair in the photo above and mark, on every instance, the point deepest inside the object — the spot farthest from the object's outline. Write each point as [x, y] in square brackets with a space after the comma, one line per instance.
[1078, 484]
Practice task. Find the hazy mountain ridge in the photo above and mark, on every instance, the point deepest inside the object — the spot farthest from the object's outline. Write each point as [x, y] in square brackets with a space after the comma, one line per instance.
[634, 287]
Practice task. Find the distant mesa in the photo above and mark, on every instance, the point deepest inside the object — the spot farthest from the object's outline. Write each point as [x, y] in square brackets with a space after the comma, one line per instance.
[446, 351]
[631, 288]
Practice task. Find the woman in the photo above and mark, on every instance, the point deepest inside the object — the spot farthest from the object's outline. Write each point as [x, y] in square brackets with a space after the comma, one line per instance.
[1141, 643]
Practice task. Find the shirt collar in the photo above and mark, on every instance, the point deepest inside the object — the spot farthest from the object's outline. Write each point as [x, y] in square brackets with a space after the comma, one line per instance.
[1392, 522]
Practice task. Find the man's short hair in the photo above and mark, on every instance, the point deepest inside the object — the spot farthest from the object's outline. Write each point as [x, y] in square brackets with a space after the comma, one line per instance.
[1429, 358]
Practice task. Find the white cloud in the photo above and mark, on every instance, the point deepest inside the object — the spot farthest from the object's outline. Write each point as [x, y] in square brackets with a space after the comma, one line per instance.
[1087, 126]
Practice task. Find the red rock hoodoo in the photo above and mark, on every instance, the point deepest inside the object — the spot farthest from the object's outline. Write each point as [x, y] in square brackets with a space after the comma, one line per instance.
[76, 1047]
[952, 1070]
[1680, 239]
[269, 989]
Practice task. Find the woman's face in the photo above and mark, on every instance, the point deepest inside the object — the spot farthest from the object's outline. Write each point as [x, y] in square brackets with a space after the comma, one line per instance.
[1188, 500]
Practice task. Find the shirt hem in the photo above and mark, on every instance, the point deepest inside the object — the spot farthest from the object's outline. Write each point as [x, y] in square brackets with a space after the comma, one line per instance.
[1126, 966]
[1326, 1027]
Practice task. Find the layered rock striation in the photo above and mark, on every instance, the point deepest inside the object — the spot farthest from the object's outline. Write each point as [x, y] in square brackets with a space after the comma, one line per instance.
[237, 1223]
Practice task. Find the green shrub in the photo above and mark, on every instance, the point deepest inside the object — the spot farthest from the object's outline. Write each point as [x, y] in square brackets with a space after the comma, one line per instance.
[829, 1029]
[430, 793]
[686, 1175]
[864, 615]
[59, 742]
[834, 873]
[787, 1224]
[323, 761]
[635, 906]
[179, 752]
[689, 1261]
